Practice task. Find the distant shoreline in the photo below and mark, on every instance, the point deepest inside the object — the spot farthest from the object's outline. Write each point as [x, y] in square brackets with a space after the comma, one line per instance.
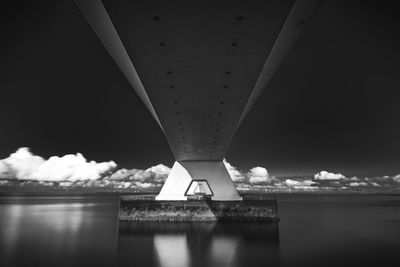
[255, 194]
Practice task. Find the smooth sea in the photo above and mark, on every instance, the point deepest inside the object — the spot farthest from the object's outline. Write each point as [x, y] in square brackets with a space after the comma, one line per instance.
[314, 230]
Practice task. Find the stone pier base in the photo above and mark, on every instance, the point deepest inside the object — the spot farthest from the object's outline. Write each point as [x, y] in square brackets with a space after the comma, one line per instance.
[134, 209]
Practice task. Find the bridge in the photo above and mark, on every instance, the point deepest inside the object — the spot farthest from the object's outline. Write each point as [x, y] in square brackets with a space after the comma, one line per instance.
[198, 66]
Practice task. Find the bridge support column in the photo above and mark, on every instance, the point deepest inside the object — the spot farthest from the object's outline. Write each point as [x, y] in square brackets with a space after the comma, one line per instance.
[184, 173]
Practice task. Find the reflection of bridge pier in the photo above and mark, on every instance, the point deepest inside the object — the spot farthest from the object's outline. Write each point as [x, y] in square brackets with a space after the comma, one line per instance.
[199, 244]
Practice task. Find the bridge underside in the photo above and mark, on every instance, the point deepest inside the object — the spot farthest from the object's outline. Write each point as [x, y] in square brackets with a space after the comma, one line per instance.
[198, 66]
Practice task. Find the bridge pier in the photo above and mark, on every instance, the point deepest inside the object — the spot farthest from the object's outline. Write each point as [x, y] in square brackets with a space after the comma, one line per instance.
[189, 93]
[191, 179]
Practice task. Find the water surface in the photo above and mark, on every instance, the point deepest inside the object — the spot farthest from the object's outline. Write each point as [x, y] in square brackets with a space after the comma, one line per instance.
[315, 230]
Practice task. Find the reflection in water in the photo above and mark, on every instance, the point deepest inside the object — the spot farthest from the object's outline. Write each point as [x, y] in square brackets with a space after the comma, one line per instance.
[314, 231]
[199, 244]
[175, 244]
[54, 231]
[223, 250]
[13, 213]
[10, 236]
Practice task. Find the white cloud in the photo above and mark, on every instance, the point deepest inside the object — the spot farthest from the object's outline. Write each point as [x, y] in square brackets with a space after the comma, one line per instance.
[258, 175]
[355, 184]
[65, 184]
[71, 168]
[159, 169]
[126, 184]
[396, 178]
[153, 176]
[301, 185]
[243, 186]
[46, 183]
[125, 174]
[24, 165]
[236, 175]
[324, 175]
[4, 170]
[159, 172]
[290, 182]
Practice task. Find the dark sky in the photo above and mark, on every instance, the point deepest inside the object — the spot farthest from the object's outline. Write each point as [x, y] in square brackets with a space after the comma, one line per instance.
[333, 105]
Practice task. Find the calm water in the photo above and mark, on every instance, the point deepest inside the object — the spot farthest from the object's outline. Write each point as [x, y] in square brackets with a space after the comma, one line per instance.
[314, 231]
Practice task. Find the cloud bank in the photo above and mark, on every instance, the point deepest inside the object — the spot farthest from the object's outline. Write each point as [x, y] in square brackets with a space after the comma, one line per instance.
[22, 169]
[71, 171]
[23, 165]
[152, 177]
